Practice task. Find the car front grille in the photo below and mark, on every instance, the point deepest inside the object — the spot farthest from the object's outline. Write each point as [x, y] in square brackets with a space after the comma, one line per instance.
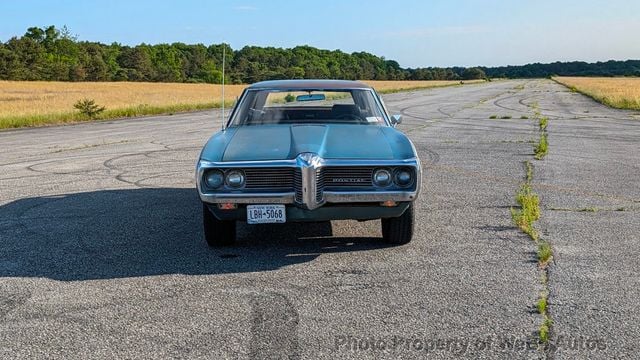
[334, 178]
[278, 179]
[297, 181]
[319, 184]
[346, 177]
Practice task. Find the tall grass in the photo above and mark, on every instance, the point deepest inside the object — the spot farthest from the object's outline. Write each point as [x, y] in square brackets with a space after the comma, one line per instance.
[387, 87]
[37, 103]
[127, 112]
[621, 93]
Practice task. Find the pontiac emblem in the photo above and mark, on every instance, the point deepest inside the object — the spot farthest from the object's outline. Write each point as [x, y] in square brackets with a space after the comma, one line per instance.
[348, 180]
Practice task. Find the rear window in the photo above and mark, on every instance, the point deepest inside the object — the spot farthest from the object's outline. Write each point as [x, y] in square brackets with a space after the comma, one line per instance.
[308, 98]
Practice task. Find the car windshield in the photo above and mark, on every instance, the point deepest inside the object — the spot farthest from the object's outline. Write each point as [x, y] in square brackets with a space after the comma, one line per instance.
[264, 107]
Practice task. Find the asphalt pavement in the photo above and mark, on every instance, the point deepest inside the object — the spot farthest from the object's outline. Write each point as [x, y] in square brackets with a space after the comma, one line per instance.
[102, 252]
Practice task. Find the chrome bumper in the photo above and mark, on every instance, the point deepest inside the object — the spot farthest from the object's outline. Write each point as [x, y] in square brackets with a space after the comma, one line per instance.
[253, 198]
[328, 196]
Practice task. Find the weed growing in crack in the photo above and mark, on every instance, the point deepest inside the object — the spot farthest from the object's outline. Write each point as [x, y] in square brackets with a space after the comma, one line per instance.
[542, 147]
[545, 254]
[542, 123]
[542, 305]
[529, 211]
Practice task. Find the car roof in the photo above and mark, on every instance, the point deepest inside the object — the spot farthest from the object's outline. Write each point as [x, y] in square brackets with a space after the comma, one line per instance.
[309, 84]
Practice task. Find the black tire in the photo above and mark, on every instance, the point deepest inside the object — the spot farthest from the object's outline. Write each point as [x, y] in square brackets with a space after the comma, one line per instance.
[399, 230]
[217, 232]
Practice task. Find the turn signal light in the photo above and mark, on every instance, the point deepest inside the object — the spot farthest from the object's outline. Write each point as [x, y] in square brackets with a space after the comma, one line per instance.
[389, 203]
[227, 206]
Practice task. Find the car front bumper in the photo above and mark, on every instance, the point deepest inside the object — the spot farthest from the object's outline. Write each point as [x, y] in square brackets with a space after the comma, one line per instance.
[309, 202]
[358, 211]
[329, 197]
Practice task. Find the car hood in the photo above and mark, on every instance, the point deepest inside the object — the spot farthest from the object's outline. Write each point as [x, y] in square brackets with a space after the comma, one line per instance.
[282, 142]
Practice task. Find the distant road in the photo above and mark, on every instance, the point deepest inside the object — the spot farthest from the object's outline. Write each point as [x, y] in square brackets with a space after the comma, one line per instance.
[102, 255]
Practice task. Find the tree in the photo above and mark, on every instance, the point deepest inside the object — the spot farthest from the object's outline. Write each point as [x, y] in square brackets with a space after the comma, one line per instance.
[137, 63]
[35, 34]
[26, 60]
[88, 107]
[473, 74]
[94, 64]
[55, 54]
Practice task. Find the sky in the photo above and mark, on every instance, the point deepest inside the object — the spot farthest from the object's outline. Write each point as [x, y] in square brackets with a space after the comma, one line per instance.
[414, 33]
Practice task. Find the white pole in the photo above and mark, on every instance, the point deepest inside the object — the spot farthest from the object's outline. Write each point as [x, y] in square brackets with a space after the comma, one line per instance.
[224, 48]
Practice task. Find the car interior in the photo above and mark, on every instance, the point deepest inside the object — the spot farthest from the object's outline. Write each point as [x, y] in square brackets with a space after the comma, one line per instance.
[352, 107]
[286, 114]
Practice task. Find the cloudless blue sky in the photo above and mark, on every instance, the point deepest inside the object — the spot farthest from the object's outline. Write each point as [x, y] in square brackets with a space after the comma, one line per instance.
[415, 33]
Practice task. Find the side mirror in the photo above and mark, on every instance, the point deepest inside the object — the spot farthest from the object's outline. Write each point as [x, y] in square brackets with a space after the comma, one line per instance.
[396, 119]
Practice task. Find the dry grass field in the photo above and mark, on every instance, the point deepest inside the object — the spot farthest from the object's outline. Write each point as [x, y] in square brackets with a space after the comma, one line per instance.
[36, 103]
[395, 86]
[621, 93]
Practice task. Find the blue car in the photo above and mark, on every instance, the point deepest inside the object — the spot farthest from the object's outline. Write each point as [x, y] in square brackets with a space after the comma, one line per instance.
[308, 150]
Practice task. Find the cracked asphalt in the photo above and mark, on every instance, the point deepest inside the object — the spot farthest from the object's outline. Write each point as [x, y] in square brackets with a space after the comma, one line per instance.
[102, 255]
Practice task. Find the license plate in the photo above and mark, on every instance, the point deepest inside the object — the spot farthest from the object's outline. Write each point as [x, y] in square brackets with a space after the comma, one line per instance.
[266, 214]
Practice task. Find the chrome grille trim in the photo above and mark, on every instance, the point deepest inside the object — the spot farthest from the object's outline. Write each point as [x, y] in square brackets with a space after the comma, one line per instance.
[297, 181]
[319, 184]
[353, 176]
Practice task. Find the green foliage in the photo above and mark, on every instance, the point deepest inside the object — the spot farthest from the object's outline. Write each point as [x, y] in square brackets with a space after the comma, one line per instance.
[529, 211]
[543, 122]
[289, 98]
[529, 171]
[541, 148]
[544, 253]
[544, 329]
[543, 309]
[89, 107]
[493, 117]
[523, 222]
[542, 305]
[573, 68]
[473, 74]
[52, 54]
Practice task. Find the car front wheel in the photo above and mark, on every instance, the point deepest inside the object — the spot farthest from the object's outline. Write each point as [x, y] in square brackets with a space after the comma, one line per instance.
[217, 232]
[399, 230]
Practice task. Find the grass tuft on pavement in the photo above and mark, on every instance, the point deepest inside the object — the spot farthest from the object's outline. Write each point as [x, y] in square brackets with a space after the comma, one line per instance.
[542, 147]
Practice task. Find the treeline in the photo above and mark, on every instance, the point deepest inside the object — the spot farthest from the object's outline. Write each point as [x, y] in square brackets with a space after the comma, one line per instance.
[573, 68]
[56, 55]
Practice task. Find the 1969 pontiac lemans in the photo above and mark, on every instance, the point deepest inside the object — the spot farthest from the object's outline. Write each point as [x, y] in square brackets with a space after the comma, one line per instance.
[308, 150]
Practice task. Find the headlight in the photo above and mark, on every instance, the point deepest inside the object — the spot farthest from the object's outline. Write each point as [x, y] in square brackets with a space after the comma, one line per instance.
[235, 178]
[214, 179]
[382, 178]
[403, 177]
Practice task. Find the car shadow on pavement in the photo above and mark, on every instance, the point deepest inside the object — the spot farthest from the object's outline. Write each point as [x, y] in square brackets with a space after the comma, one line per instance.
[127, 233]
